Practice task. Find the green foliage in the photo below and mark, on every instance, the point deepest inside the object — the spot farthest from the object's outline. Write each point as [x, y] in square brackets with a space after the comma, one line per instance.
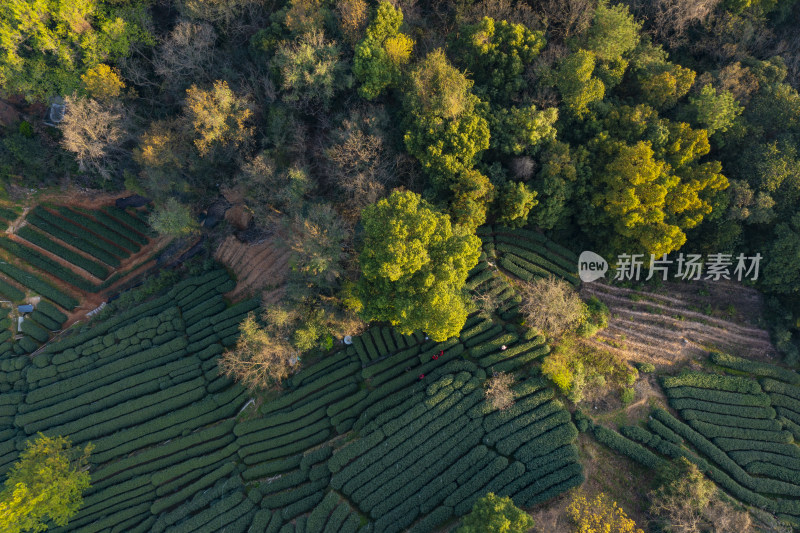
[46, 484]
[496, 54]
[311, 72]
[173, 219]
[714, 110]
[613, 32]
[514, 201]
[414, 265]
[495, 514]
[516, 130]
[574, 81]
[48, 45]
[573, 367]
[782, 270]
[380, 55]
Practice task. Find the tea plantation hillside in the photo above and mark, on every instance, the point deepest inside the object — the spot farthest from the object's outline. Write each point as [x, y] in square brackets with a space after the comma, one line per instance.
[64, 256]
[384, 435]
[740, 431]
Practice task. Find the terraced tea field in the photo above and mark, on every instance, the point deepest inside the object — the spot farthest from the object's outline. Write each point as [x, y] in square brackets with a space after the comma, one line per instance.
[62, 258]
[377, 436]
[740, 431]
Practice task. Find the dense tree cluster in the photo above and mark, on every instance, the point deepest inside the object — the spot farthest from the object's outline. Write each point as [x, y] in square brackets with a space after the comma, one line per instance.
[638, 127]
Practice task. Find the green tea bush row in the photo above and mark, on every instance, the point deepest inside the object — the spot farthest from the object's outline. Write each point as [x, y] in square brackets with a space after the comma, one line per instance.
[495, 344]
[44, 321]
[34, 237]
[357, 448]
[720, 458]
[627, 447]
[157, 458]
[390, 362]
[11, 292]
[346, 403]
[786, 402]
[110, 372]
[83, 222]
[538, 468]
[37, 332]
[288, 497]
[36, 284]
[764, 424]
[421, 473]
[712, 431]
[498, 418]
[713, 381]
[75, 236]
[319, 516]
[377, 339]
[533, 267]
[523, 422]
[544, 444]
[556, 483]
[520, 360]
[755, 367]
[746, 457]
[494, 468]
[391, 450]
[509, 444]
[759, 468]
[86, 404]
[493, 331]
[163, 477]
[551, 252]
[476, 279]
[264, 441]
[772, 386]
[256, 433]
[202, 520]
[376, 490]
[515, 269]
[27, 345]
[115, 225]
[723, 408]
[133, 221]
[509, 353]
[44, 263]
[480, 327]
[133, 412]
[291, 448]
[734, 445]
[542, 484]
[433, 494]
[271, 468]
[723, 397]
[388, 339]
[301, 506]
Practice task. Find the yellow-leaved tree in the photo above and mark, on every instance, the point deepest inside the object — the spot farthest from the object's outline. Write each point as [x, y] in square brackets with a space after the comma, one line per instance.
[599, 514]
[45, 485]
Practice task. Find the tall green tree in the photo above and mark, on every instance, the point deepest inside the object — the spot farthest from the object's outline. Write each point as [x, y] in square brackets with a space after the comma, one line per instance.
[45, 485]
[574, 80]
[714, 110]
[47, 45]
[380, 55]
[495, 514]
[496, 54]
[414, 264]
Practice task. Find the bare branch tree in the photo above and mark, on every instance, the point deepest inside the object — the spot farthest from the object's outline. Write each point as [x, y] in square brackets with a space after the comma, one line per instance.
[259, 360]
[498, 390]
[94, 132]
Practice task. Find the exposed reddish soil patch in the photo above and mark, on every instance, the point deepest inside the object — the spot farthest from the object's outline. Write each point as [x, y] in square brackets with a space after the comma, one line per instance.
[263, 266]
